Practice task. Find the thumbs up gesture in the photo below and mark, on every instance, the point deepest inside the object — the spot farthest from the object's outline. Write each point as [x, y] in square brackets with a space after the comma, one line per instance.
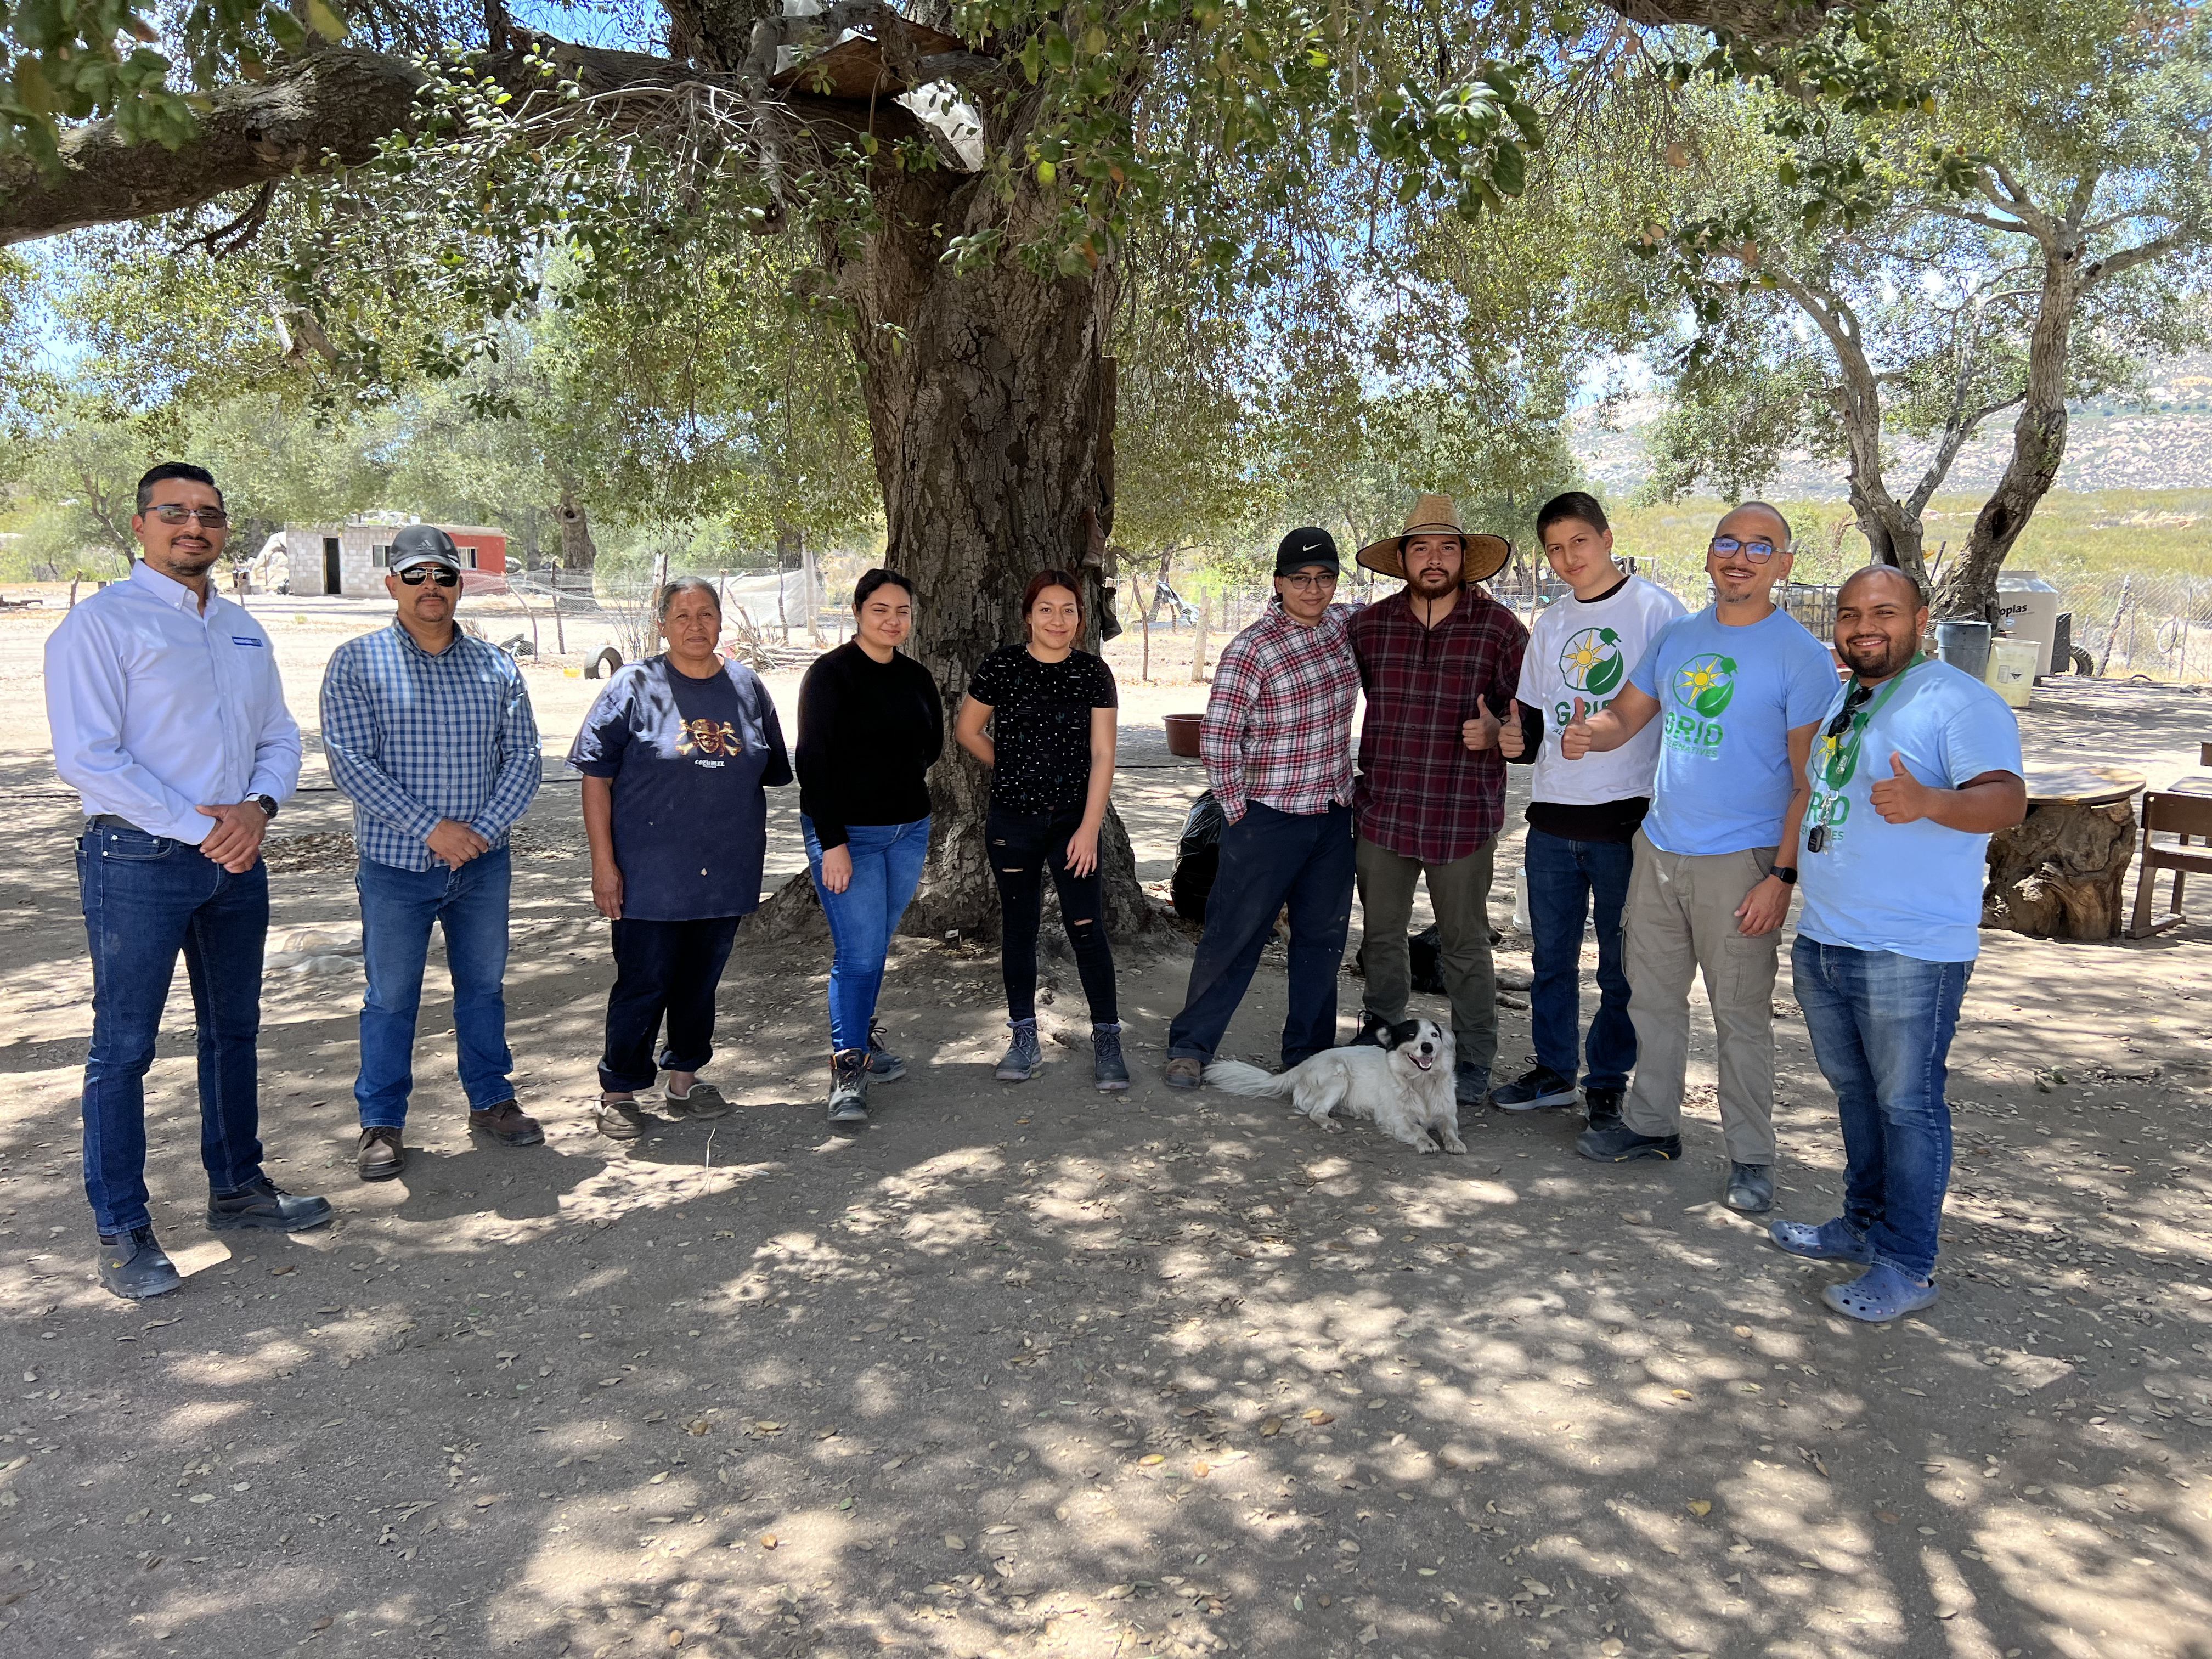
[1512, 740]
[1575, 735]
[1481, 732]
[1900, 798]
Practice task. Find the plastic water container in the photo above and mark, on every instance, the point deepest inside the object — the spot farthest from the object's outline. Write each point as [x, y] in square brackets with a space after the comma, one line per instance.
[2011, 672]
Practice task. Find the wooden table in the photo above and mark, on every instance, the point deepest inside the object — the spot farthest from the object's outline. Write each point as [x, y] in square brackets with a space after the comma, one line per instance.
[2059, 872]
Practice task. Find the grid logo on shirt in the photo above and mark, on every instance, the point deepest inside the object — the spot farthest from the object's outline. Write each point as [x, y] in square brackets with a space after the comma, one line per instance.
[1591, 662]
[1703, 687]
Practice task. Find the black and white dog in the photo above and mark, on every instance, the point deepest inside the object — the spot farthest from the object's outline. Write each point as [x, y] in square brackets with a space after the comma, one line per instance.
[1404, 1087]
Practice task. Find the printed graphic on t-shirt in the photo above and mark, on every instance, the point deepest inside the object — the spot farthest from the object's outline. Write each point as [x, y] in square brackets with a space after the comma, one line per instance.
[1591, 662]
[704, 736]
[1702, 687]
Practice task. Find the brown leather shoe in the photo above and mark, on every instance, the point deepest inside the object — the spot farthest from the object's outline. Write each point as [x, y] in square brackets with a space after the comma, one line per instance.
[507, 1124]
[382, 1155]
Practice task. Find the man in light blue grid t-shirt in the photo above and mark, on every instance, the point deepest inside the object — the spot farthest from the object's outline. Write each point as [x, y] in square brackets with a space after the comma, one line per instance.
[431, 734]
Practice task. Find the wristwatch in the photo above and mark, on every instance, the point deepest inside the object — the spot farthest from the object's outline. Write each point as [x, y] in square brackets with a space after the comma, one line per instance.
[266, 803]
[1785, 873]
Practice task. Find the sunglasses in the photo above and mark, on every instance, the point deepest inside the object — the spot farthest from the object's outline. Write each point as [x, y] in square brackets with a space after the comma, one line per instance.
[210, 518]
[433, 573]
[1854, 699]
[1758, 552]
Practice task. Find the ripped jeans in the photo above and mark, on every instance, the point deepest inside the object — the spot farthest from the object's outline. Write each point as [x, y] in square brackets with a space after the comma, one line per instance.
[1022, 845]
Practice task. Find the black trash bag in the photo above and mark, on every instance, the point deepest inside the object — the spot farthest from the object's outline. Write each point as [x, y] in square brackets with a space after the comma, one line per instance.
[1427, 951]
[1198, 858]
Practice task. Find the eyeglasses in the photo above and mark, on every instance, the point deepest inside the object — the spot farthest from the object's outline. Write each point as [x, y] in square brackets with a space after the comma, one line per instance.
[1854, 699]
[210, 518]
[1323, 579]
[420, 573]
[1757, 552]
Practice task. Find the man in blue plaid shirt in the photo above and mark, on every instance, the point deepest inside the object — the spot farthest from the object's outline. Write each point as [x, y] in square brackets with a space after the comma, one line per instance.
[431, 734]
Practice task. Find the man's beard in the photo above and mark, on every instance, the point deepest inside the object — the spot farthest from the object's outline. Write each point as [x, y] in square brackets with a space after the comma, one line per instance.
[192, 561]
[1879, 663]
[1433, 584]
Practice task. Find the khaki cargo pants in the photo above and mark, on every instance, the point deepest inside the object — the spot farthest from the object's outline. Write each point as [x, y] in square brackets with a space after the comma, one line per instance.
[1680, 923]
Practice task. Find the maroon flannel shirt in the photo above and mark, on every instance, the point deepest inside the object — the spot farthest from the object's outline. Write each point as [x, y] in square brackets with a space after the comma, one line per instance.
[1423, 793]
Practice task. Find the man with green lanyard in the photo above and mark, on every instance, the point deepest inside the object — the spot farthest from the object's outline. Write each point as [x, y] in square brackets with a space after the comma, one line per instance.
[1916, 763]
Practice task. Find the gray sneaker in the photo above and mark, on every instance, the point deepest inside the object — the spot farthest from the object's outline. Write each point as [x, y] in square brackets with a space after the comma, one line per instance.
[134, 1266]
[883, 1065]
[1108, 1069]
[1185, 1071]
[705, 1100]
[848, 1086]
[1023, 1059]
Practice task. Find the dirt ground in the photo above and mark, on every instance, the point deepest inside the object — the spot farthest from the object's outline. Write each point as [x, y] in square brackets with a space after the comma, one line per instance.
[1030, 1372]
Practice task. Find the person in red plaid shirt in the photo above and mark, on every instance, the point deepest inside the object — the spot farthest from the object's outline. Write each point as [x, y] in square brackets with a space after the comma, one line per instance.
[1440, 660]
[1277, 744]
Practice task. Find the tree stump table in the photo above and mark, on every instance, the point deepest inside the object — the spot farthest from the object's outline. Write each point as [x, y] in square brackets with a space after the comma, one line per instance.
[2058, 873]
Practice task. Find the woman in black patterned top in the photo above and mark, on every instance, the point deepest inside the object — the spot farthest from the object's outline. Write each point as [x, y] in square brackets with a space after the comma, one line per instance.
[1051, 753]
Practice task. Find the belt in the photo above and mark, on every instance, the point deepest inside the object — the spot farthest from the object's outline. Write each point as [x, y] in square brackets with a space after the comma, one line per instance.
[110, 821]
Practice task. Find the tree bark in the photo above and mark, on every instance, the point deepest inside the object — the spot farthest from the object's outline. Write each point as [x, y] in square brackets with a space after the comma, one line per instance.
[578, 551]
[988, 404]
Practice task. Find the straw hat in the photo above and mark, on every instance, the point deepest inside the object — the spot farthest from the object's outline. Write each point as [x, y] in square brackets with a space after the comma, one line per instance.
[1437, 515]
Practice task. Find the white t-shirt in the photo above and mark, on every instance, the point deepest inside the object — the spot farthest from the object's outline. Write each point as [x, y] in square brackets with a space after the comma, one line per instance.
[1585, 648]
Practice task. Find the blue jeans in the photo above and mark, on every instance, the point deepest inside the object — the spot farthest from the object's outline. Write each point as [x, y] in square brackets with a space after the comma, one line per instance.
[146, 898]
[1269, 859]
[397, 909]
[1564, 878]
[1881, 1027]
[887, 862]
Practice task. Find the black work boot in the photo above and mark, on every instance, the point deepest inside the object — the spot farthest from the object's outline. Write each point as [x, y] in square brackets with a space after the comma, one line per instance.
[261, 1204]
[134, 1266]
[1619, 1144]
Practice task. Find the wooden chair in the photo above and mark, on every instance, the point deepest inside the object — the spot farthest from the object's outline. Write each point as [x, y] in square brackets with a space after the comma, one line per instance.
[2182, 812]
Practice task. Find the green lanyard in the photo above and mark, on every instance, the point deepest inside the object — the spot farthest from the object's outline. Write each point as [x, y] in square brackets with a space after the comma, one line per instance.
[1840, 770]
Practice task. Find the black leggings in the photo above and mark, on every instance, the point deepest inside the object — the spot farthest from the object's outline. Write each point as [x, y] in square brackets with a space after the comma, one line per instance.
[1022, 845]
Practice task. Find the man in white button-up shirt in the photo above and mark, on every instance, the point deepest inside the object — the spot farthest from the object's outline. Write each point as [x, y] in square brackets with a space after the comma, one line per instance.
[169, 720]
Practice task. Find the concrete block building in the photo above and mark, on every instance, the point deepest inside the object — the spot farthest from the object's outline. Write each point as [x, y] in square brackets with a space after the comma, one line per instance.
[350, 558]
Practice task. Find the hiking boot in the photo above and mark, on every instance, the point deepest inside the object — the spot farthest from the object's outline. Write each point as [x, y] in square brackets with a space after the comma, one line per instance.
[507, 1124]
[1604, 1108]
[1618, 1144]
[381, 1154]
[134, 1266]
[1185, 1071]
[262, 1205]
[1751, 1188]
[1108, 1071]
[883, 1065]
[1539, 1086]
[705, 1100]
[620, 1120]
[1470, 1083]
[1023, 1059]
[848, 1086]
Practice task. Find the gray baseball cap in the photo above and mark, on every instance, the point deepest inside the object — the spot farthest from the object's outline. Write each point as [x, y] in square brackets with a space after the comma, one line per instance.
[423, 544]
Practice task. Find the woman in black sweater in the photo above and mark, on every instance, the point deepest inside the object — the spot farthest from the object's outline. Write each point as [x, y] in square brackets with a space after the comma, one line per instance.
[871, 725]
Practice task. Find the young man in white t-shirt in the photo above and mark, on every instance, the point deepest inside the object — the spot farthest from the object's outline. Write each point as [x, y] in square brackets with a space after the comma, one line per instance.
[1582, 815]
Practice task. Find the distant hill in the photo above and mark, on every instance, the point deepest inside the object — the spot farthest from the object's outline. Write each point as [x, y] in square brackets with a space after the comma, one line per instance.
[2163, 443]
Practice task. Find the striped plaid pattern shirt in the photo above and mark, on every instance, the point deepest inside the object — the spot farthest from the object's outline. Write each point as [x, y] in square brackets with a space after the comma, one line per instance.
[1278, 727]
[414, 737]
[1423, 793]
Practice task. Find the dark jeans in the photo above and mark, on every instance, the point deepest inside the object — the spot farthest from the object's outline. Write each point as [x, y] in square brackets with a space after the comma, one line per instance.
[1566, 880]
[1024, 845]
[398, 908]
[1269, 859]
[670, 968]
[1881, 1026]
[146, 898]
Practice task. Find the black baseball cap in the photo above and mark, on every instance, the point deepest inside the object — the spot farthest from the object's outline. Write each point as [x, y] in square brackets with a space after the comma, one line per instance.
[423, 544]
[1311, 545]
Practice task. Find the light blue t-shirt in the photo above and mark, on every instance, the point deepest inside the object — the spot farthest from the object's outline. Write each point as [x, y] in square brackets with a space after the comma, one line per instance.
[1728, 698]
[1914, 889]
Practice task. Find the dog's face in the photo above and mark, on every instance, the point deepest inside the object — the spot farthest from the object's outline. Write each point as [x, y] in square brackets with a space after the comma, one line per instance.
[1422, 1042]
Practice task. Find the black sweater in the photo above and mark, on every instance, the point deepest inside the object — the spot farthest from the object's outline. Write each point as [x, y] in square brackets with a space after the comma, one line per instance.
[868, 733]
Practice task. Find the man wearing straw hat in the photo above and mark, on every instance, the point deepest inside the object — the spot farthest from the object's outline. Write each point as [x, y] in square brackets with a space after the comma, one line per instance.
[1440, 660]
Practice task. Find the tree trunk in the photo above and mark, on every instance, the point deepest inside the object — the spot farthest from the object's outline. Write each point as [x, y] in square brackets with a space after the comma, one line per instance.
[2038, 445]
[577, 550]
[987, 405]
